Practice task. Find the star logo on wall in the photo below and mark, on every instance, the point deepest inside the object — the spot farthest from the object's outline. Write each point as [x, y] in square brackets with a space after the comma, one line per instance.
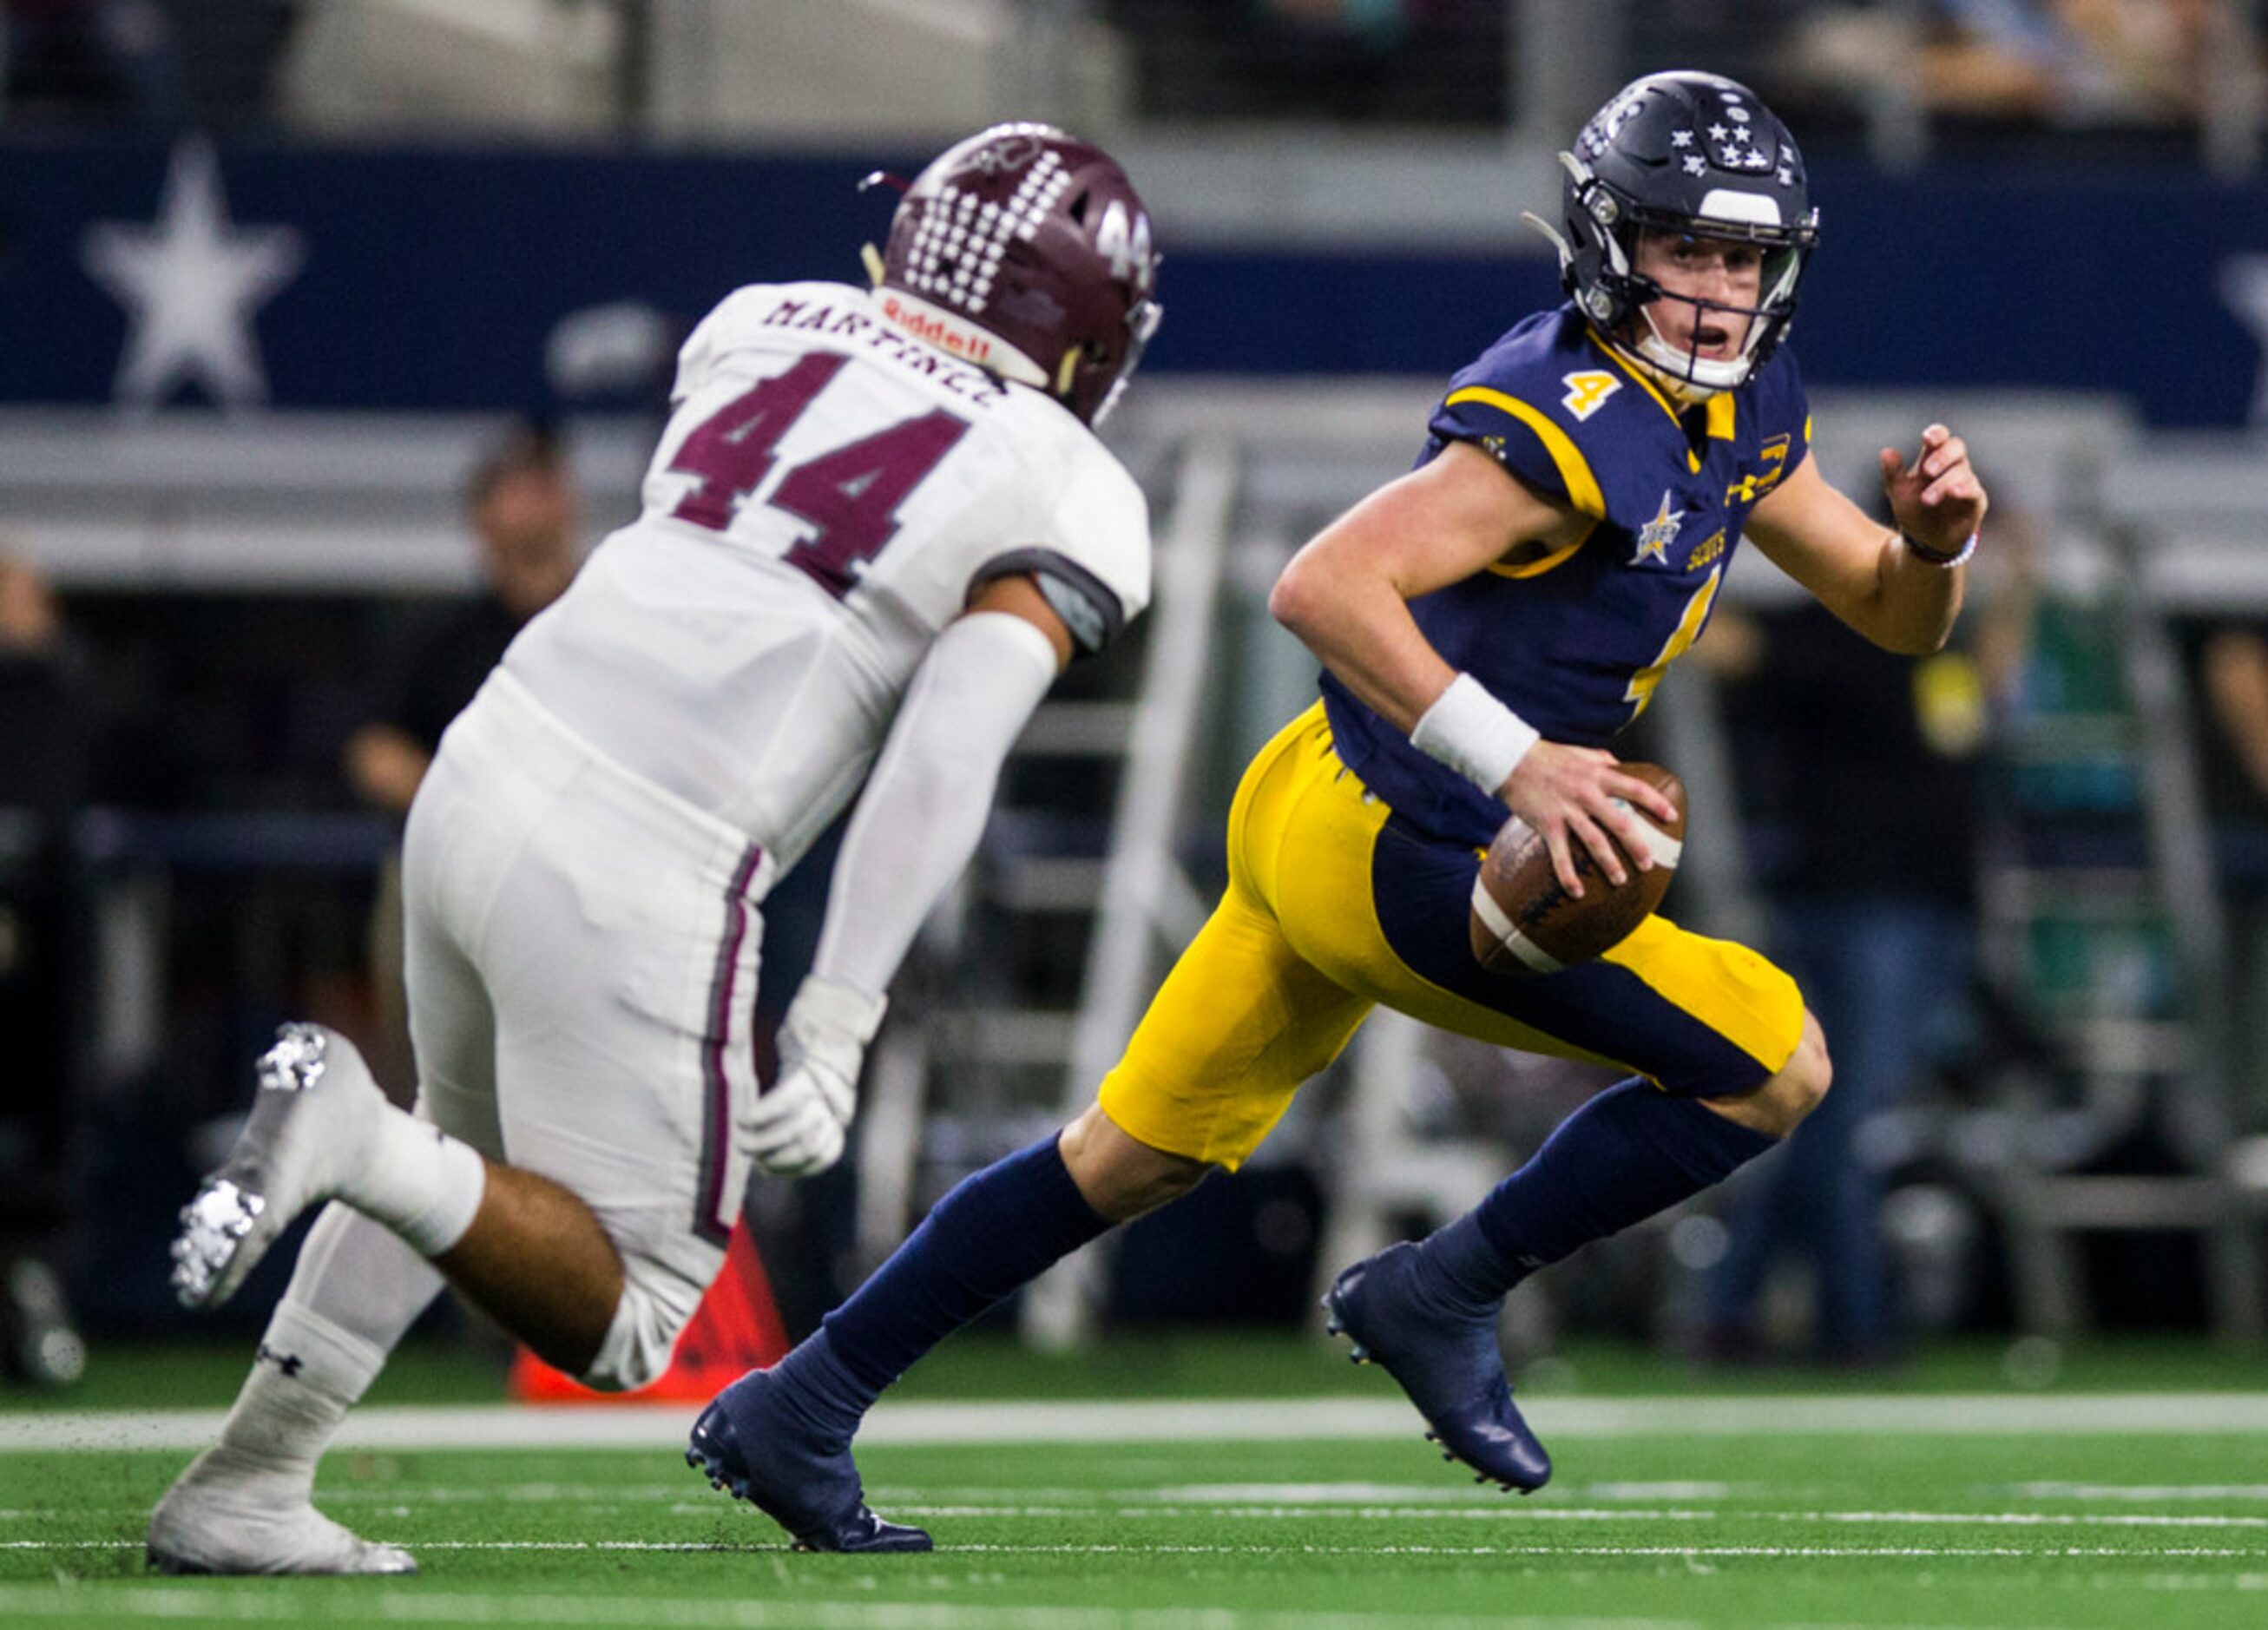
[190, 282]
[1655, 537]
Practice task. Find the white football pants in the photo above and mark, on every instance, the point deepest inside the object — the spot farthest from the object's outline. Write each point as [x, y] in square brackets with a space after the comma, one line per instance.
[581, 965]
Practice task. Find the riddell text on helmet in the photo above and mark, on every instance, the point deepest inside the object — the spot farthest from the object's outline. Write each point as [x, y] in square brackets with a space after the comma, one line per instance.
[961, 339]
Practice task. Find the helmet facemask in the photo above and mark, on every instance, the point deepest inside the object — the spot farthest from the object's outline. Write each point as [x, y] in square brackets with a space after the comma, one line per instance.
[1691, 376]
[1142, 320]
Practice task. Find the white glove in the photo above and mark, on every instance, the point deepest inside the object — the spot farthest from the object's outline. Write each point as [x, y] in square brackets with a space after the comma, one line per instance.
[795, 1127]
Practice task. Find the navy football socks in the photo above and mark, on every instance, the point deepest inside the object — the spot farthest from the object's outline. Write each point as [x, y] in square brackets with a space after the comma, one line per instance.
[1629, 1153]
[998, 1230]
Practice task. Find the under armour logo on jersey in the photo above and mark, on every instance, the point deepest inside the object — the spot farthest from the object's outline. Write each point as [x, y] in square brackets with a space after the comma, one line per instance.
[1655, 537]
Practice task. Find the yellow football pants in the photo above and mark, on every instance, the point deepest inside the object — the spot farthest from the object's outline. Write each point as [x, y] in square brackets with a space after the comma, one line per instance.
[1334, 905]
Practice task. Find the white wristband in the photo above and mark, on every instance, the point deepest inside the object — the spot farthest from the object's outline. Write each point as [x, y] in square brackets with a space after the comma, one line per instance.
[1474, 734]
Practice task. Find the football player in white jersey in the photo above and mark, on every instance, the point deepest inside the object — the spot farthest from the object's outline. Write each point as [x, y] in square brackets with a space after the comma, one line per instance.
[878, 524]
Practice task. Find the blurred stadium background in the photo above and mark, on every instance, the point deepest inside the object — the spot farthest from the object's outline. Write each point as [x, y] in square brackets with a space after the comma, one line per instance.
[274, 274]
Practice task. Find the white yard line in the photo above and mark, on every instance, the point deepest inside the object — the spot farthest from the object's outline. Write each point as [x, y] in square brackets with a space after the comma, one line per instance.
[2136, 1493]
[261, 1602]
[1137, 1505]
[1042, 1548]
[647, 1426]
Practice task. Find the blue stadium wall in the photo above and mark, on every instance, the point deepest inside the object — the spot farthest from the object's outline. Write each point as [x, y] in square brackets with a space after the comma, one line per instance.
[432, 278]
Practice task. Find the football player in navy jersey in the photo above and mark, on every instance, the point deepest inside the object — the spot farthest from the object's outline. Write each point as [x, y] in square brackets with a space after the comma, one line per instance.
[1487, 623]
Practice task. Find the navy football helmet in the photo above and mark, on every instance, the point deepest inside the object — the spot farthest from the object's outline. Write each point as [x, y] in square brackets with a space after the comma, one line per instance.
[1028, 252]
[1697, 155]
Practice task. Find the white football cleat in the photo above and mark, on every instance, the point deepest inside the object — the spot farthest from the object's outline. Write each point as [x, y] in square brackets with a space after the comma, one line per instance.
[312, 1124]
[223, 1519]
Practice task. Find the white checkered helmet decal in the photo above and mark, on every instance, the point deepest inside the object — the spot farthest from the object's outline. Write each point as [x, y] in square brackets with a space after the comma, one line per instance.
[1028, 251]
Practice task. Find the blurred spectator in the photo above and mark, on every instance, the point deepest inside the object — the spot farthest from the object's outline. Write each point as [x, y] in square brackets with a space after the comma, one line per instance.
[158, 63]
[526, 516]
[1420, 62]
[231, 53]
[91, 60]
[2228, 659]
[39, 789]
[2062, 62]
[1873, 761]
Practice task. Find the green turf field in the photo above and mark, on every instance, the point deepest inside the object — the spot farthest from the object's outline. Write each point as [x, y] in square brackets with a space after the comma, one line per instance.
[1782, 1500]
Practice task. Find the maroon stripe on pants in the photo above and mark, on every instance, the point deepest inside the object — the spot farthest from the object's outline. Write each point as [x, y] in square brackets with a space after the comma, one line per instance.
[717, 1107]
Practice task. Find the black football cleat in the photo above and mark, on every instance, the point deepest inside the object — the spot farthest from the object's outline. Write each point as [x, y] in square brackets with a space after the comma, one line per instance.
[1449, 1365]
[754, 1443]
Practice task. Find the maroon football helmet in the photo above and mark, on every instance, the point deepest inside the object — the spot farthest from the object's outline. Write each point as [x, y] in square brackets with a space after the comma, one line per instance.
[1027, 251]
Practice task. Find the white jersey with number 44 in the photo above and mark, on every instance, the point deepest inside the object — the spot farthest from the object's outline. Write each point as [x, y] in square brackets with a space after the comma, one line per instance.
[829, 493]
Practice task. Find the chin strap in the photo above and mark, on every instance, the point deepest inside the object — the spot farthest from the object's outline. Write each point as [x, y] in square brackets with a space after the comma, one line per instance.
[1690, 391]
[1679, 373]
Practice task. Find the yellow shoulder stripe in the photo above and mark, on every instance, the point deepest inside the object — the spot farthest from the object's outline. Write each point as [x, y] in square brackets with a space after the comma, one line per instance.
[1575, 469]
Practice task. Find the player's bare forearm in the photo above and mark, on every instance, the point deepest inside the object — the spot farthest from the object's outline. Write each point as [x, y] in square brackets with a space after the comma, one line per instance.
[1360, 629]
[1894, 595]
[1917, 602]
[1346, 594]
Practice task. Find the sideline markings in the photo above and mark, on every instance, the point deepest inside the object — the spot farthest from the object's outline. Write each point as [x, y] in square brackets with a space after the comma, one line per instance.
[710, 1547]
[648, 1426]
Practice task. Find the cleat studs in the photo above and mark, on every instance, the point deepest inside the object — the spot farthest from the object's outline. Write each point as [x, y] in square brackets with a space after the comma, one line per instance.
[1446, 1455]
[1480, 1477]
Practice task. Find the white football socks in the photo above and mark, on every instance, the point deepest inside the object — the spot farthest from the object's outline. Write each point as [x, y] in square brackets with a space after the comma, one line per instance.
[307, 1373]
[355, 1290]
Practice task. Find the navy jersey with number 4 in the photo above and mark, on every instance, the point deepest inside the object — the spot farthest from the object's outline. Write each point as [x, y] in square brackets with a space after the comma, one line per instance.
[1575, 639]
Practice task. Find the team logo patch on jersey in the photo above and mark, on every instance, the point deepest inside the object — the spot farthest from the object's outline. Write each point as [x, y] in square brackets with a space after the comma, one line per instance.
[1655, 537]
[1588, 392]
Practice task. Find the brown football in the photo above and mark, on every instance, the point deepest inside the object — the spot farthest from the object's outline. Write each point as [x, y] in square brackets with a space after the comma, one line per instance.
[1522, 921]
